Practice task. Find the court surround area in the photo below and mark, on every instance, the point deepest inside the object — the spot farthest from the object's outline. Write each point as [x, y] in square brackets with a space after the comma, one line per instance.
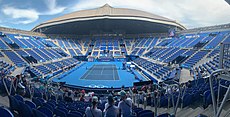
[99, 75]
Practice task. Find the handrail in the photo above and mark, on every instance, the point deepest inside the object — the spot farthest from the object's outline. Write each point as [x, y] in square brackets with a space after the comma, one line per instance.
[4, 83]
[183, 93]
[172, 96]
[217, 110]
[12, 86]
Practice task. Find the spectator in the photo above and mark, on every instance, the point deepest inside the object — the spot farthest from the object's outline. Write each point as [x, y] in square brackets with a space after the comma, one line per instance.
[141, 97]
[190, 71]
[82, 98]
[134, 89]
[122, 88]
[110, 109]
[116, 100]
[83, 91]
[93, 111]
[144, 88]
[125, 105]
[189, 85]
[90, 96]
[20, 88]
[68, 97]
[111, 91]
[144, 99]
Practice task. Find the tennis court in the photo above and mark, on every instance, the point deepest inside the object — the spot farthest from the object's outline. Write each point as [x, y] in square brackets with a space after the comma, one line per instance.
[101, 72]
[99, 75]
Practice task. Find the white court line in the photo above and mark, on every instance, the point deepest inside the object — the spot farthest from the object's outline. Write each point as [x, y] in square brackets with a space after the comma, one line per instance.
[89, 72]
[113, 73]
[102, 70]
[102, 74]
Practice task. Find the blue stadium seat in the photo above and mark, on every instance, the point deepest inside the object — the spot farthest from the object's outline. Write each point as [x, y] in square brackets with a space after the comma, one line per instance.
[146, 114]
[15, 58]
[132, 116]
[19, 98]
[37, 102]
[207, 99]
[14, 103]
[136, 110]
[3, 45]
[46, 111]
[73, 115]
[143, 111]
[31, 104]
[63, 109]
[59, 112]
[51, 103]
[49, 106]
[25, 110]
[187, 100]
[37, 113]
[164, 115]
[77, 113]
[41, 99]
[5, 112]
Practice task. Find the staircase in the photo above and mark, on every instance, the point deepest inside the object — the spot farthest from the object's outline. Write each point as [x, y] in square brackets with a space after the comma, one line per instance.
[185, 76]
[18, 71]
[192, 110]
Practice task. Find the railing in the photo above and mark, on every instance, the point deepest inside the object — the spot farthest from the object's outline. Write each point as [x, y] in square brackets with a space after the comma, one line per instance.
[223, 73]
[155, 97]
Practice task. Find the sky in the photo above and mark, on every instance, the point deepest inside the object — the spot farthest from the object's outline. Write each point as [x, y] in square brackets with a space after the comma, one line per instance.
[26, 14]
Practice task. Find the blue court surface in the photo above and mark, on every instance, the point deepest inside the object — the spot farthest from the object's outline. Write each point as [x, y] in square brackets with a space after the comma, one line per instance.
[102, 72]
[99, 75]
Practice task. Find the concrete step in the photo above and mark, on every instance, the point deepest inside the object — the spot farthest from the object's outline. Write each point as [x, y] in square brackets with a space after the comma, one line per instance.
[18, 71]
[162, 110]
[4, 101]
[208, 111]
[182, 112]
[192, 111]
[224, 113]
[196, 112]
[170, 111]
[226, 109]
[185, 76]
[227, 113]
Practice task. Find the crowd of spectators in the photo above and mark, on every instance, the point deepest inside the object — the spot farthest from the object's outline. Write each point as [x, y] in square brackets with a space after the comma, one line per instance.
[111, 104]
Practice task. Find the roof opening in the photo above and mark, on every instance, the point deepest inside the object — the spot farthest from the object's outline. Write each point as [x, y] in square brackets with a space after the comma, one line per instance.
[106, 5]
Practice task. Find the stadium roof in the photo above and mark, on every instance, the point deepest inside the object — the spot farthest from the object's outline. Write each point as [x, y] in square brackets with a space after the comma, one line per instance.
[107, 19]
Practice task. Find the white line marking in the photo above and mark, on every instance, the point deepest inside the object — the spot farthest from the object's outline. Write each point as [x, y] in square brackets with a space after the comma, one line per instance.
[113, 72]
[94, 67]
[90, 70]
[102, 70]
[100, 74]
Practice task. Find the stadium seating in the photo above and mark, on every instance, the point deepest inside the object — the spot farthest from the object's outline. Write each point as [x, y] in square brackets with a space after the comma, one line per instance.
[156, 69]
[18, 61]
[213, 53]
[217, 39]
[42, 49]
[3, 45]
[6, 68]
[198, 91]
[5, 112]
[157, 58]
[194, 59]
